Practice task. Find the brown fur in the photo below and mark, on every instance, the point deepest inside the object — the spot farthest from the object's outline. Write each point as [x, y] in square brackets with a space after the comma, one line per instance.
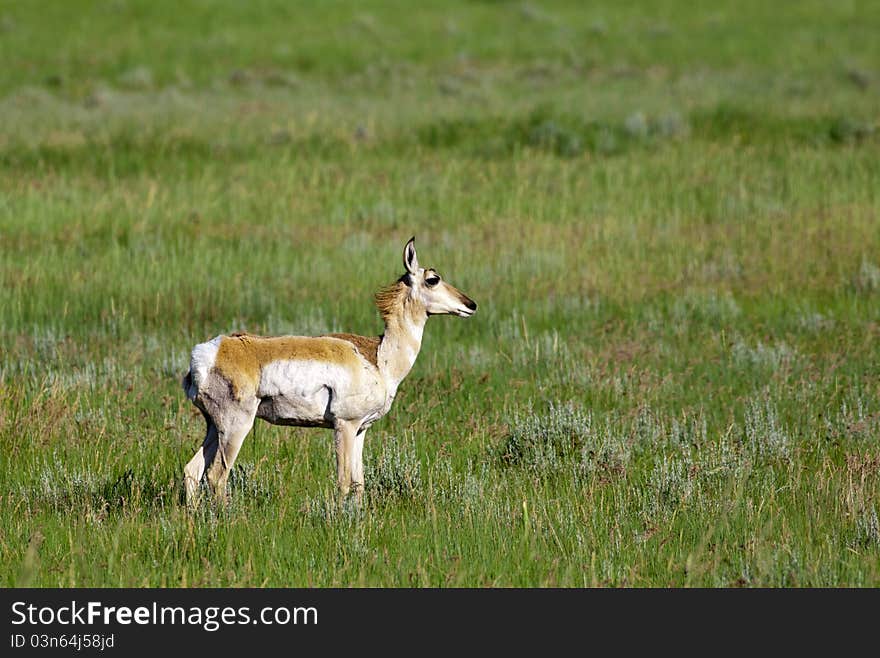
[390, 299]
[242, 356]
[368, 346]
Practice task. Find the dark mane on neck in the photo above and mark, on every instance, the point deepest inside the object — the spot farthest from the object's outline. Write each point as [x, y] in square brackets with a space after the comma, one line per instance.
[390, 300]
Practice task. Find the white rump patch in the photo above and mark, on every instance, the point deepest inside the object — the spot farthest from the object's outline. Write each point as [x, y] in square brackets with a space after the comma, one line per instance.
[203, 357]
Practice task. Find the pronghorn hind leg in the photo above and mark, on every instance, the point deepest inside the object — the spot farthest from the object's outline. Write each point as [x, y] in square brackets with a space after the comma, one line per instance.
[230, 436]
[195, 468]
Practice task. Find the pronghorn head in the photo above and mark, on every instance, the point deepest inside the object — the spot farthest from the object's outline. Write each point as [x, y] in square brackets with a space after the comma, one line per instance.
[426, 286]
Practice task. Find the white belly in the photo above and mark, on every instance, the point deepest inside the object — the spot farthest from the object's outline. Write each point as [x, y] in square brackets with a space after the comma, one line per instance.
[305, 392]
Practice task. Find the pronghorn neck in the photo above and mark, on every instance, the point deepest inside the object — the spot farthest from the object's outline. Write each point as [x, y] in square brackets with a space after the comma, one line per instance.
[405, 320]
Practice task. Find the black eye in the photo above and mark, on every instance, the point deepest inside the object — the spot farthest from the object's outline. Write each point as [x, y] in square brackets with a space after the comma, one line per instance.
[432, 280]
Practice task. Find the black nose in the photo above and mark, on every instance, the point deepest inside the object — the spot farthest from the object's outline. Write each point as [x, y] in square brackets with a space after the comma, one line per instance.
[471, 304]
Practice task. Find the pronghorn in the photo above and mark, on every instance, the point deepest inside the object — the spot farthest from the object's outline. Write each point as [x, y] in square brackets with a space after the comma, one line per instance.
[341, 382]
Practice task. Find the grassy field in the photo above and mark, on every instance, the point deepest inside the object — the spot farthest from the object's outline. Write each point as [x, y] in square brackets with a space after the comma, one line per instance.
[668, 214]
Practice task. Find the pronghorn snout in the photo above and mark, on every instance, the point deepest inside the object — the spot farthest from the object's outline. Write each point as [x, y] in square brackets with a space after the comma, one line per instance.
[451, 300]
[470, 305]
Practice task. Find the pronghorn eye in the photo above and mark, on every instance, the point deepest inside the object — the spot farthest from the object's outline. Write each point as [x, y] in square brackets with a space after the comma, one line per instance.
[432, 280]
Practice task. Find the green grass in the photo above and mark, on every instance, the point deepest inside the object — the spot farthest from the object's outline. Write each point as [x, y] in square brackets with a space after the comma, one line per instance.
[668, 215]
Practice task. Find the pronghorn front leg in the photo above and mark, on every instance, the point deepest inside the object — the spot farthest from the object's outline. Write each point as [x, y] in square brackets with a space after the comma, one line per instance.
[357, 470]
[348, 466]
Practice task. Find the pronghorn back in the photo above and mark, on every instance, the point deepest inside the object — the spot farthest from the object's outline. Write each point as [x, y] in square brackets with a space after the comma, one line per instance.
[242, 357]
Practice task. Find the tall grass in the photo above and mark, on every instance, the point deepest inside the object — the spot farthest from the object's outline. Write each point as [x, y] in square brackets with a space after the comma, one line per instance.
[667, 215]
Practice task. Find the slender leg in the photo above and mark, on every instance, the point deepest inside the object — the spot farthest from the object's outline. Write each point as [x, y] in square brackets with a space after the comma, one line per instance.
[344, 437]
[195, 469]
[229, 440]
[357, 469]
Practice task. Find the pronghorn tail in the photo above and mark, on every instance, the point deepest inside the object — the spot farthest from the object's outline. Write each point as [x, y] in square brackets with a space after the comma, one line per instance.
[187, 384]
[201, 362]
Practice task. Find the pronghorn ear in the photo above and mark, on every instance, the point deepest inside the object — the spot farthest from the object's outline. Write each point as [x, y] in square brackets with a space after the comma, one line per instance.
[410, 259]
